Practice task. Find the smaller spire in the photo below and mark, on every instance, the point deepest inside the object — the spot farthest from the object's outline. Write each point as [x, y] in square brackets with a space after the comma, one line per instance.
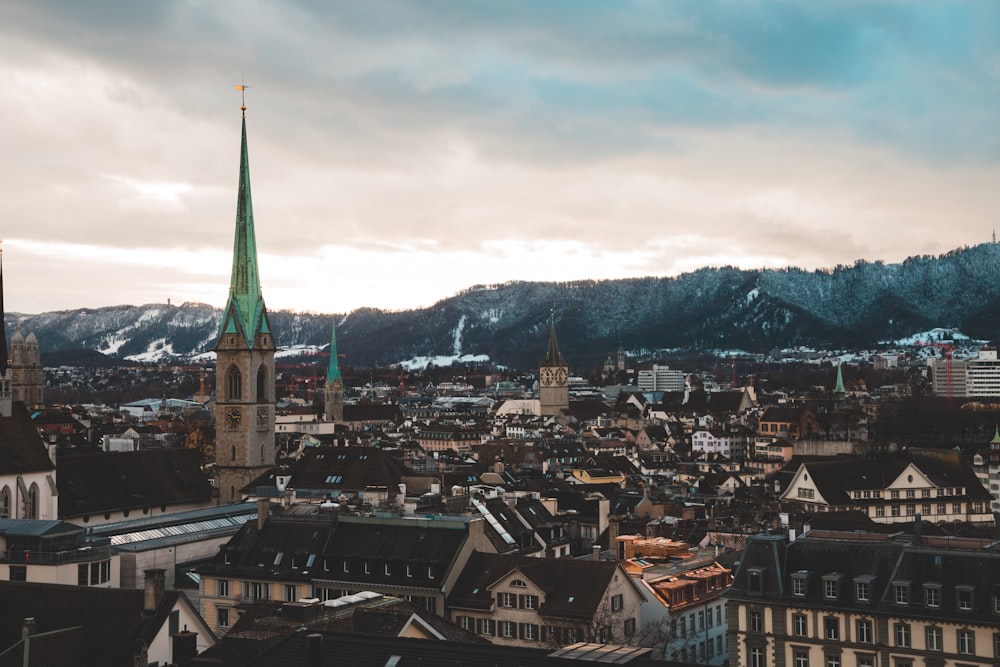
[839, 388]
[333, 370]
[996, 438]
[553, 356]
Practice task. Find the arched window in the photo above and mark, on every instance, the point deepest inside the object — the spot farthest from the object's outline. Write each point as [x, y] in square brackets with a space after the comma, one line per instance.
[262, 454]
[234, 454]
[232, 494]
[234, 384]
[262, 393]
[5, 503]
[32, 502]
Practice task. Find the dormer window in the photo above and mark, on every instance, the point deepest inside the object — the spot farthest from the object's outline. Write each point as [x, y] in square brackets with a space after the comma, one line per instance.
[901, 592]
[932, 595]
[863, 588]
[831, 585]
[964, 597]
[755, 579]
[800, 582]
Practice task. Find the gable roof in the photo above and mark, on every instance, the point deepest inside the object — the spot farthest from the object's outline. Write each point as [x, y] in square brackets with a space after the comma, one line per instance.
[573, 588]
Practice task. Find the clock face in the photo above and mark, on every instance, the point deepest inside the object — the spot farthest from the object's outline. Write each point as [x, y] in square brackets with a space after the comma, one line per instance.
[561, 376]
[261, 416]
[234, 417]
[545, 376]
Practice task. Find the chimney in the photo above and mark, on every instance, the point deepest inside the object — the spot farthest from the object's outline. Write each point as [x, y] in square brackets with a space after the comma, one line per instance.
[263, 509]
[185, 647]
[314, 648]
[28, 627]
[596, 551]
[917, 529]
[155, 587]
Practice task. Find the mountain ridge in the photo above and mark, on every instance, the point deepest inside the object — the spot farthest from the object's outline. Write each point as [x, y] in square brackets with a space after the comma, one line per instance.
[710, 308]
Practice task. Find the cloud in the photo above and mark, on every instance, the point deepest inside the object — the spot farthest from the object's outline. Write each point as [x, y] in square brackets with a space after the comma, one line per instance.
[403, 151]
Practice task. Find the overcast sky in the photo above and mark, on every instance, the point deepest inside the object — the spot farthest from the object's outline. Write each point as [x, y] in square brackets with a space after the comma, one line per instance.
[403, 151]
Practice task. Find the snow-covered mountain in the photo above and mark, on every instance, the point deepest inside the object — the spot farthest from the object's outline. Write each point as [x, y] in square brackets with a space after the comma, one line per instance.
[712, 308]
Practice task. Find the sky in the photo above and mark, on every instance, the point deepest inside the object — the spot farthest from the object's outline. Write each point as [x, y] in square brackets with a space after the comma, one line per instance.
[403, 151]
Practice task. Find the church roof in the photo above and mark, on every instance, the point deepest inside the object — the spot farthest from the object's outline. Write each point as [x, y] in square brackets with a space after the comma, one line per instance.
[245, 312]
[552, 356]
[22, 450]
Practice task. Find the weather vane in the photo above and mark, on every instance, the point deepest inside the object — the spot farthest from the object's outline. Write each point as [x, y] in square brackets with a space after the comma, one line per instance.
[242, 87]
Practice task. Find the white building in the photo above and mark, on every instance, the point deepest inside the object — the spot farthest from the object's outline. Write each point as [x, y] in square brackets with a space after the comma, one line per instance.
[661, 378]
[968, 378]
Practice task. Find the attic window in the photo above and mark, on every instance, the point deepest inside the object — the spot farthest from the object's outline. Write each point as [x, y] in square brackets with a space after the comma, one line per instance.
[755, 579]
[278, 557]
[517, 583]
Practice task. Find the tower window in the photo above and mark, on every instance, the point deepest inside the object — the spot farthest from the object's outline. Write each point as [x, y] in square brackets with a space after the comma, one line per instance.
[234, 384]
[262, 393]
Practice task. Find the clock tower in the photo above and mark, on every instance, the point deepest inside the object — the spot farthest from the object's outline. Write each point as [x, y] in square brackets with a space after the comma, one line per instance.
[244, 367]
[553, 378]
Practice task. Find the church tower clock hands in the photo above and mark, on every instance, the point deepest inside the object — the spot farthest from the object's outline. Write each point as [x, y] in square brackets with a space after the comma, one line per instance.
[244, 367]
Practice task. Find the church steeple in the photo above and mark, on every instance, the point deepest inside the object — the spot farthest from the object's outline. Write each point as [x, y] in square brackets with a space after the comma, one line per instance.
[245, 313]
[4, 361]
[839, 393]
[244, 361]
[552, 355]
[333, 391]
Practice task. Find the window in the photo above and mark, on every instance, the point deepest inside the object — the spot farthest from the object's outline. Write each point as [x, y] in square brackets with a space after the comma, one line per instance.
[757, 657]
[256, 590]
[831, 627]
[755, 580]
[756, 621]
[865, 634]
[910, 493]
[902, 633]
[894, 494]
[996, 644]
[222, 588]
[5, 503]
[942, 508]
[487, 626]
[799, 580]
[222, 617]
[506, 600]
[800, 625]
[832, 660]
[465, 622]
[866, 661]
[830, 587]
[261, 384]
[963, 597]
[901, 592]
[956, 508]
[529, 601]
[31, 510]
[529, 631]
[932, 595]
[234, 384]
[925, 509]
[880, 510]
[996, 603]
[895, 510]
[800, 659]
[629, 627]
[291, 594]
[966, 642]
[616, 602]
[862, 591]
[933, 638]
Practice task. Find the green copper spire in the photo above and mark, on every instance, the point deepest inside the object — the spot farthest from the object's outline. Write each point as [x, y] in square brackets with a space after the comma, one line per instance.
[552, 356]
[839, 389]
[333, 370]
[996, 437]
[245, 312]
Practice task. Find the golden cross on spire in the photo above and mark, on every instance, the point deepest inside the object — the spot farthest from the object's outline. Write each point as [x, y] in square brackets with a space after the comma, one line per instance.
[242, 87]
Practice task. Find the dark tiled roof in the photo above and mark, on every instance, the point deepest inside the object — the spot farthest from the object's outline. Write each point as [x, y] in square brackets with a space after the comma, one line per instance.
[112, 618]
[101, 482]
[573, 588]
[375, 412]
[21, 448]
[347, 469]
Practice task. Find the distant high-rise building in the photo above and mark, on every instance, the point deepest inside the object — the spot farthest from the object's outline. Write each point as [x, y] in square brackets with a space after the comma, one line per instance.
[244, 403]
[968, 378]
[553, 378]
[661, 378]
